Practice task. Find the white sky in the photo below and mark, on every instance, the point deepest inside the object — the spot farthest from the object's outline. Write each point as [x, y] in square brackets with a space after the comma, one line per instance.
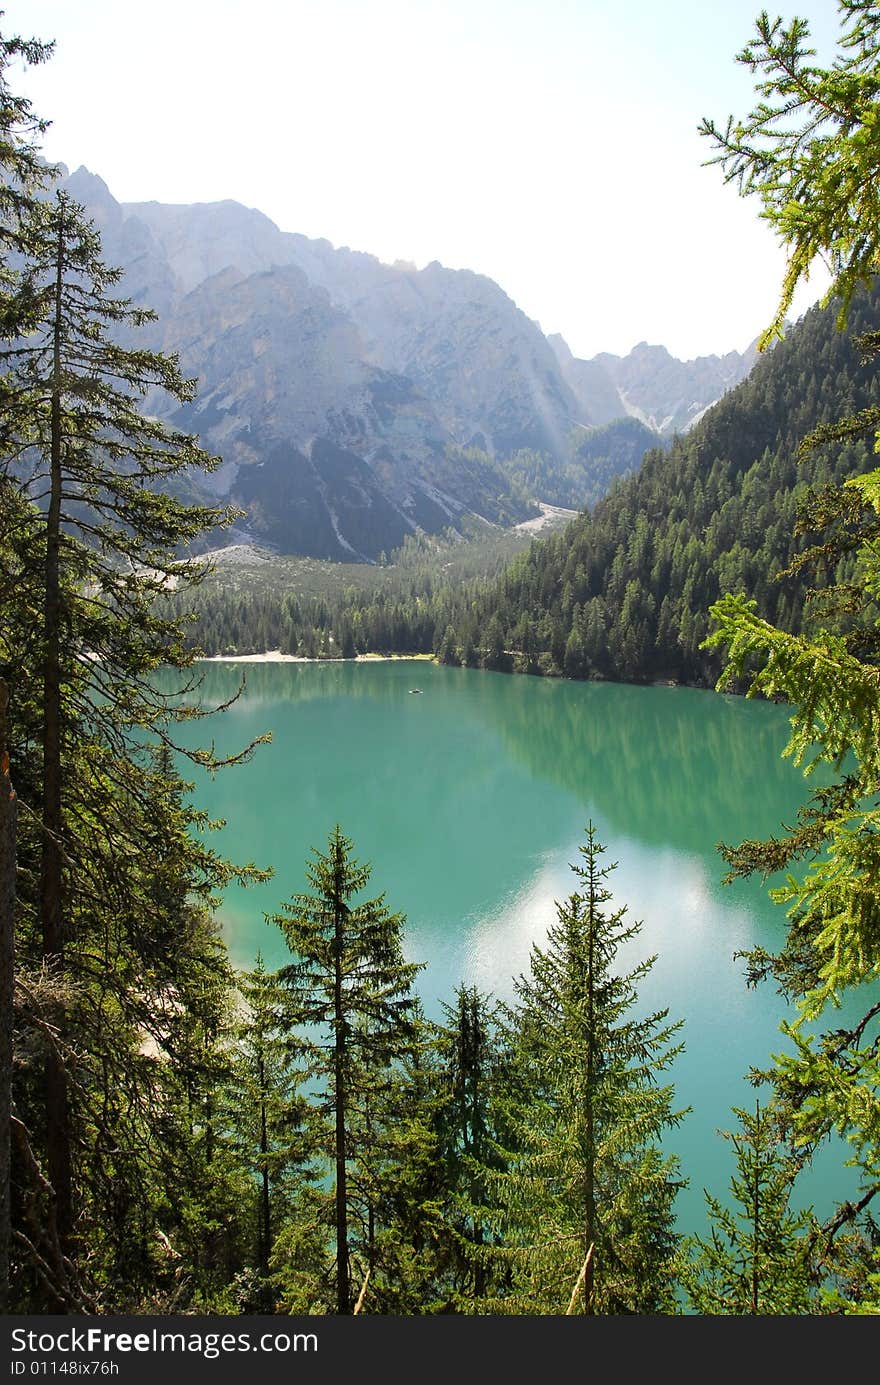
[550, 144]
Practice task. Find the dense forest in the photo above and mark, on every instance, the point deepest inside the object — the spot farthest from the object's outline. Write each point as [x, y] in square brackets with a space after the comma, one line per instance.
[178, 1136]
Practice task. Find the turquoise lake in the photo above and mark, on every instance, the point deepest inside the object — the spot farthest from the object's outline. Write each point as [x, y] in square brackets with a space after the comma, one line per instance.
[469, 799]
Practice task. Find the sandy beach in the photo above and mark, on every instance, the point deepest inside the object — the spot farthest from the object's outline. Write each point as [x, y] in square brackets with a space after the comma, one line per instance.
[274, 656]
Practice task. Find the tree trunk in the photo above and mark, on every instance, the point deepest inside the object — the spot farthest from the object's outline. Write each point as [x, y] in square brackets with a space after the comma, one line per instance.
[590, 1141]
[8, 808]
[343, 1294]
[58, 1158]
[756, 1217]
[265, 1239]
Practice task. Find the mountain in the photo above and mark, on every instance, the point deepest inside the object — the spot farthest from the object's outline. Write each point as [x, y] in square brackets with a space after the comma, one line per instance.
[355, 402]
[666, 395]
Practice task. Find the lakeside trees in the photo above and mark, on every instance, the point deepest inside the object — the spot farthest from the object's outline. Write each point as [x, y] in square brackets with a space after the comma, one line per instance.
[472, 1067]
[587, 1186]
[116, 950]
[83, 459]
[757, 1257]
[23, 174]
[473, 1165]
[808, 152]
[352, 1010]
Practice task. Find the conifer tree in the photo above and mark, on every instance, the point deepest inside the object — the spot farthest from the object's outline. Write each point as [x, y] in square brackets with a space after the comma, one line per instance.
[165, 1198]
[826, 1081]
[757, 1258]
[90, 540]
[588, 1192]
[807, 150]
[8, 834]
[21, 176]
[271, 1120]
[24, 172]
[396, 1183]
[809, 153]
[116, 959]
[75, 442]
[350, 997]
[468, 1079]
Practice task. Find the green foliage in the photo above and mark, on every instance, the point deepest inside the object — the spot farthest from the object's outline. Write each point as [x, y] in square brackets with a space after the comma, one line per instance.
[861, 1299]
[587, 1184]
[117, 960]
[24, 173]
[350, 1000]
[271, 1126]
[758, 1257]
[470, 1075]
[817, 181]
[808, 149]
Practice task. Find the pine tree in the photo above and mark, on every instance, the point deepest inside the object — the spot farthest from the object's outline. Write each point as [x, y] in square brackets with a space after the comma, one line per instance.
[350, 997]
[90, 541]
[396, 1183]
[826, 1081]
[808, 151]
[271, 1121]
[8, 834]
[447, 650]
[757, 1259]
[588, 1192]
[22, 176]
[164, 1194]
[467, 1079]
[24, 172]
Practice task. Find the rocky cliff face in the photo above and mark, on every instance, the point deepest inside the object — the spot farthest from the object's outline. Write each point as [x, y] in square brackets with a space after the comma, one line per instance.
[490, 373]
[649, 384]
[346, 396]
[340, 392]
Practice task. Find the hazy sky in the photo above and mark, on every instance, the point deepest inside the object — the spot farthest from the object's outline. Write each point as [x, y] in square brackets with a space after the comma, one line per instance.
[550, 144]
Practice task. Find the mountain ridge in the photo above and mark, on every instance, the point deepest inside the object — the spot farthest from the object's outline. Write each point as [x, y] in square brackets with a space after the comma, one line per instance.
[413, 388]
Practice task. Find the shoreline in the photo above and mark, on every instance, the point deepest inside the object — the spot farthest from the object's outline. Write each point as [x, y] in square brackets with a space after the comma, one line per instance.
[274, 656]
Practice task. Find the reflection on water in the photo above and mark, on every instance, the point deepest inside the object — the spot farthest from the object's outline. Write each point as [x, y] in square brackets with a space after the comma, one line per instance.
[471, 801]
[621, 747]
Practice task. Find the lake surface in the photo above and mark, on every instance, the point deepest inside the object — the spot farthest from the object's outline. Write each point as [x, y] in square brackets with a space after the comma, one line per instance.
[470, 800]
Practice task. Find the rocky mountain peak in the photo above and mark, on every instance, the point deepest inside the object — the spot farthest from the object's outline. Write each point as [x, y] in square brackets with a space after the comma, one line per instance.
[346, 395]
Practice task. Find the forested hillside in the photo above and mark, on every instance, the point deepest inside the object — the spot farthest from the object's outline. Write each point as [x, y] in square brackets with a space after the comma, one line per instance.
[625, 591]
